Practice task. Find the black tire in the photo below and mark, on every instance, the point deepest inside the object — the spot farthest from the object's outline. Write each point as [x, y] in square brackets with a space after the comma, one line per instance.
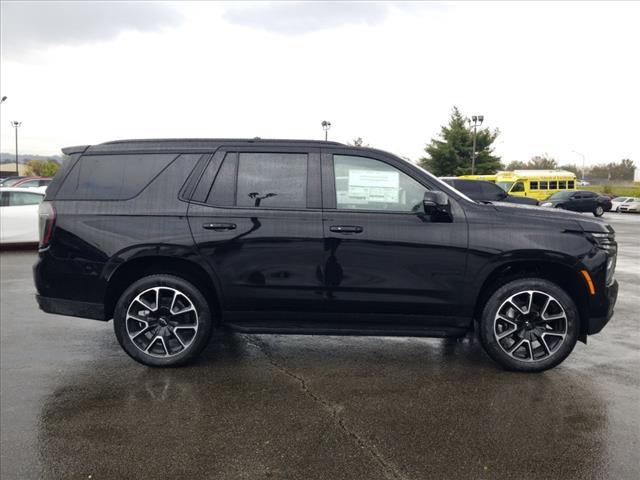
[547, 357]
[180, 348]
[599, 211]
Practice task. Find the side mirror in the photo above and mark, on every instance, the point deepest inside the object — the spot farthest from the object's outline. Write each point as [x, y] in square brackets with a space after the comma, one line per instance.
[435, 202]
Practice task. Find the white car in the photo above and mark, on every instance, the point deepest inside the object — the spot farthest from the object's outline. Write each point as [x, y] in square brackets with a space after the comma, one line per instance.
[633, 206]
[19, 215]
[618, 201]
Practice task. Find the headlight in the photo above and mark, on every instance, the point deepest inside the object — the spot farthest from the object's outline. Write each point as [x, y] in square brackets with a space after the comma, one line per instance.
[607, 242]
[546, 204]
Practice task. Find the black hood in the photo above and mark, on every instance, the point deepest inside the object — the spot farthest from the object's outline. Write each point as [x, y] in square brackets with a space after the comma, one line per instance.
[573, 219]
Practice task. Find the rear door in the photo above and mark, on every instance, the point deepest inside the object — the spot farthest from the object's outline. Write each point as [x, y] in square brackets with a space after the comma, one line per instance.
[382, 254]
[19, 217]
[256, 217]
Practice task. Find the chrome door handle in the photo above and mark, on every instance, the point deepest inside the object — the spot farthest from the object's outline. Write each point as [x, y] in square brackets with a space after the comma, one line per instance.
[218, 227]
[346, 229]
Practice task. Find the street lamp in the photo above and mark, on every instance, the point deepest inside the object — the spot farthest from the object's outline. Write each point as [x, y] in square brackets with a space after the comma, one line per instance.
[582, 164]
[326, 125]
[16, 125]
[477, 121]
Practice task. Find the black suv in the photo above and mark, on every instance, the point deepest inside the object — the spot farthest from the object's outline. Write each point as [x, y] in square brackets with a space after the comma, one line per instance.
[173, 238]
[484, 191]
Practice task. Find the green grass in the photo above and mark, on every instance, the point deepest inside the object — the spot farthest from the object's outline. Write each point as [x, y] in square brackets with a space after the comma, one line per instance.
[618, 190]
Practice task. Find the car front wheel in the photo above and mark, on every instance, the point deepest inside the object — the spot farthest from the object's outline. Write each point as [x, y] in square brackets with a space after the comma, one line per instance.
[529, 325]
[162, 321]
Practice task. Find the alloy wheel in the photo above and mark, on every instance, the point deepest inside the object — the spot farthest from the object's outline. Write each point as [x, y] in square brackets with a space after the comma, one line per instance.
[530, 325]
[162, 322]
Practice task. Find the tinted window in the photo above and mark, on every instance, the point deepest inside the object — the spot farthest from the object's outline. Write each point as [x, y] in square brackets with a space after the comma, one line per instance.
[272, 180]
[533, 185]
[562, 184]
[491, 191]
[16, 199]
[589, 195]
[571, 184]
[368, 184]
[469, 187]
[544, 185]
[111, 177]
[553, 185]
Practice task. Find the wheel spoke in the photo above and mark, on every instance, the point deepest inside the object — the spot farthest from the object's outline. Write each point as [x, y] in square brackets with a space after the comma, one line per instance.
[543, 342]
[516, 346]
[530, 303]
[137, 334]
[553, 317]
[175, 334]
[506, 333]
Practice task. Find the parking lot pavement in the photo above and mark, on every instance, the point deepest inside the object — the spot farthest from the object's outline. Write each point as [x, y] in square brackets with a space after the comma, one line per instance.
[75, 406]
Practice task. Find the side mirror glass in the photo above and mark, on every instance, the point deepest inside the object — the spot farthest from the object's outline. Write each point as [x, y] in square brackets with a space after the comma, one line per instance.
[435, 202]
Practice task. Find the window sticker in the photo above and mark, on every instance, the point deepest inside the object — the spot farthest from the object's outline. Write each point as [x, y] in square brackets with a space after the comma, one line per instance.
[371, 186]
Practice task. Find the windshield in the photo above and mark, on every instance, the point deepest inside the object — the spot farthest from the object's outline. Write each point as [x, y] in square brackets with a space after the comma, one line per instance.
[560, 195]
[506, 186]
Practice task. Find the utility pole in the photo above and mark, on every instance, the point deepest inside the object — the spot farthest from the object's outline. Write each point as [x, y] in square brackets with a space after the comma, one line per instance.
[326, 125]
[583, 164]
[477, 121]
[16, 125]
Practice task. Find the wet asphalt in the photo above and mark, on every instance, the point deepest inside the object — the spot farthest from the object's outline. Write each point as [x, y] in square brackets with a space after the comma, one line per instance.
[73, 405]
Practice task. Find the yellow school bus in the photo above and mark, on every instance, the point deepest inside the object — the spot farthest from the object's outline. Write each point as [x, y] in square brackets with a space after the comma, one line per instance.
[538, 184]
[488, 178]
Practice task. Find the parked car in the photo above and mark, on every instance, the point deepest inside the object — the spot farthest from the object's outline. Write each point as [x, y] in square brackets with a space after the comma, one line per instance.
[618, 201]
[173, 238]
[633, 206]
[484, 191]
[583, 183]
[10, 181]
[19, 215]
[30, 182]
[579, 201]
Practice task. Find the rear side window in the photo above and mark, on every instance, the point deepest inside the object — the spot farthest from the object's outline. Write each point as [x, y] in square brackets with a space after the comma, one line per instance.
[272, 180]
[112, 177]
[491, 191]
[265, 180]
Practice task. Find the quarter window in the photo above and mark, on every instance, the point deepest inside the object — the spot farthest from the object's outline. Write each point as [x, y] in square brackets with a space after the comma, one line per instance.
[111, 177]
[368, 184]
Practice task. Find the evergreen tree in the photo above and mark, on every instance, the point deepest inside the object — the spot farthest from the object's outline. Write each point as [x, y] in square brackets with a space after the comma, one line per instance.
[451, 154]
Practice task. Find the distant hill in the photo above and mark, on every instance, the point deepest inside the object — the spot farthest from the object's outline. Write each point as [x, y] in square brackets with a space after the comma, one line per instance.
[24, 158]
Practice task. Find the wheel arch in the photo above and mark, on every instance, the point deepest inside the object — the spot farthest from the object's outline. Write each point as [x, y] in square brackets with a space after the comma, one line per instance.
[566, 276]
[131, 270]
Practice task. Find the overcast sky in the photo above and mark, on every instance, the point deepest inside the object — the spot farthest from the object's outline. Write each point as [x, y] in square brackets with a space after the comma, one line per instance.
[553, 77]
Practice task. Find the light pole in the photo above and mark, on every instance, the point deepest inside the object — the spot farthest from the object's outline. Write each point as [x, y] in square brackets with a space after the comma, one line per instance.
[582, 164]
[326, 125]
[16, 125]
[477, 121]
[3, 99]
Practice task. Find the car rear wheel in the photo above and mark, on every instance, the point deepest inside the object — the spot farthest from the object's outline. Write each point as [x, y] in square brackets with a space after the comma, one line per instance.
[162, 321]
[599, 211]
[529, 325]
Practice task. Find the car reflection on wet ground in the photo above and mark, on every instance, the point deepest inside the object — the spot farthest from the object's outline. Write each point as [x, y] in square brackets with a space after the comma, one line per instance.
[74, 405]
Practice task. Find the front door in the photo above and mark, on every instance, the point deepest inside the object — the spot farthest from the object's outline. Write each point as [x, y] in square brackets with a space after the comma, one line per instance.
[256, 218]
[382, 253]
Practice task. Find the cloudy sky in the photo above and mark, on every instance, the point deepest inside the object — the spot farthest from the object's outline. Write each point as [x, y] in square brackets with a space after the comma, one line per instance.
[554, 77]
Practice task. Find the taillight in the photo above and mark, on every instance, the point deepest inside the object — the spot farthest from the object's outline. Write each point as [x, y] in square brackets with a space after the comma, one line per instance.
[47, 220]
